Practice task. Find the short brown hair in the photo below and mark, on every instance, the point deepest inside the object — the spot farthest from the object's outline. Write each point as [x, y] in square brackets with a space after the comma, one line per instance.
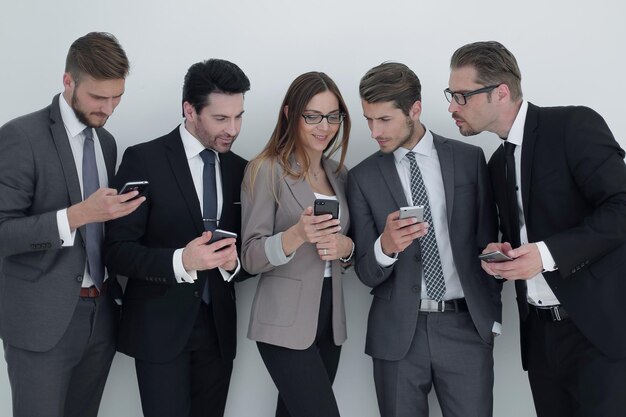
[98, 55]
[494, 64]
[391, 81]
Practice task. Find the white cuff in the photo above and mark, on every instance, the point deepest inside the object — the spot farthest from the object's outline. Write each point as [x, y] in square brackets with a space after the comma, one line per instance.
[227, 275]
[274, 250]
[179, 270]
[382, 259]
[497, 328]
[546, 257]
[63, 224]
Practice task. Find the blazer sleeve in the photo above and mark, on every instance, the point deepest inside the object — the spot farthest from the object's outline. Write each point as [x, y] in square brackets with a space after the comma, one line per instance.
[124, 252]
[596, 163]
[365, 233]
[21, 230]
[258, 216]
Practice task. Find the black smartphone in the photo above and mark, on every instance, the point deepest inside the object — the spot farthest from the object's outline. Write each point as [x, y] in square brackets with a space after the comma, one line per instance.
[326, 206]
[219, 234]
[495, 256]
[140, 186]
[412, 211]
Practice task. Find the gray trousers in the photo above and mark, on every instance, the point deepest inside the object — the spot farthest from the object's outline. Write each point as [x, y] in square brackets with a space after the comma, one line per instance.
[68, 380]
[446, 352]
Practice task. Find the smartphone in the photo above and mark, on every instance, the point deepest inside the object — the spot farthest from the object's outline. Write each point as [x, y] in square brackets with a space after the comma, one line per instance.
[324, 206]
[140, 186]
[412, 211]
[219, 234]
[495, 256]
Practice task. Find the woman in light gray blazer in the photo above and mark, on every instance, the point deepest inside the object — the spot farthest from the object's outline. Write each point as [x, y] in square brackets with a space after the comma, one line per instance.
[298, 317]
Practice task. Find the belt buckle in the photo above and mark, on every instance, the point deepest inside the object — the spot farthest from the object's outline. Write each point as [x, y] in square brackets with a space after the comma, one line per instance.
[432, 306]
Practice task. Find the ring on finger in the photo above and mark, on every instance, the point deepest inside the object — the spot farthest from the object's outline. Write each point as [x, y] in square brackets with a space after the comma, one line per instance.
[325, 252]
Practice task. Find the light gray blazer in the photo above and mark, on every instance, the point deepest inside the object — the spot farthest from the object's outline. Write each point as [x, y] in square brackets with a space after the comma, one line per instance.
[40, 280]
[287, 300]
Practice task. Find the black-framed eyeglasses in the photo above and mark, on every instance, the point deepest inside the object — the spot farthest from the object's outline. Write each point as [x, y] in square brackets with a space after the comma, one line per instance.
[332, 118]
[461, 98]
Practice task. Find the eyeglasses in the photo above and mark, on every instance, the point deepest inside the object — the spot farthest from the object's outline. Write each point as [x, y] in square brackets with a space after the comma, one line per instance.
[461, 98]
[314, 119]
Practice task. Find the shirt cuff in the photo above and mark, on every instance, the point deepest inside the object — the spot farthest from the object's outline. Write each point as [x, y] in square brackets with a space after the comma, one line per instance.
[546, 257]
[179, 270]
[274, 250]
[382, 259]
[497, 328]
[63, 224]
[228, 276]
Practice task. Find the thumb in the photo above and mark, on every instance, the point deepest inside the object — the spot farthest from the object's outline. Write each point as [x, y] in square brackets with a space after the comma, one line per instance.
[203, 239]
[308, 211]
[522, 250]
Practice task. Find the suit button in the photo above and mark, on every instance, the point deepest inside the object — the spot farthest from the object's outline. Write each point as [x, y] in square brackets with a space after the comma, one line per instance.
[79, 278]
[196, 294]
[415, 288]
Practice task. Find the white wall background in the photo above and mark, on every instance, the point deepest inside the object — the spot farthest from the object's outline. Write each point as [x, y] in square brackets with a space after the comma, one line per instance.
[569, 52]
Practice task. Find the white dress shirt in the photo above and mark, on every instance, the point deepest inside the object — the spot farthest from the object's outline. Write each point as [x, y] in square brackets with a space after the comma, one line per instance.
[74, 129]
[538, 290]
[193, 147]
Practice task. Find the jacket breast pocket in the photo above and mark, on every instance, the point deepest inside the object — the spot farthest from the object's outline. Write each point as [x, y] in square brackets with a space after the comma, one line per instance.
[278, 299]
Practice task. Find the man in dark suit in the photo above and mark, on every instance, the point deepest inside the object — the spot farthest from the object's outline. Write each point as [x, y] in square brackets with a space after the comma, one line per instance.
[434, 310]
[560, 186]
[57, 315]
[178, 319]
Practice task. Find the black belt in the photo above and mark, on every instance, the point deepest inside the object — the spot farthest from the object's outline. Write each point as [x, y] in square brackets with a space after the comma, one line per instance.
[450, 306]
[550, 313]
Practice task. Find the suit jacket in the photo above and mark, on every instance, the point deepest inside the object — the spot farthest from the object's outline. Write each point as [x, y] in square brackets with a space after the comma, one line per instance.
[286, 304]
[40, 280]
[374, 191]
[573, 180]
[158, 313]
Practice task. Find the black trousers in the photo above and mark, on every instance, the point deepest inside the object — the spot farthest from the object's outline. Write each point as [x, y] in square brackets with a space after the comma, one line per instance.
[304, 378]
[570, 377]
[193, 384]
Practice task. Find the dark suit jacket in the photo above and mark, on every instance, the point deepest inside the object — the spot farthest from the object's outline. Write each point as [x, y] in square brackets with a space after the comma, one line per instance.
[574, 199]
[40, 280]
[158, 314]
[374, 191]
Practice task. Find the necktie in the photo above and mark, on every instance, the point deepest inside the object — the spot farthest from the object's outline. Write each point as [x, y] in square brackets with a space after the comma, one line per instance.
[94, 233]
[431, 262]
[209, 202]
[511, 194]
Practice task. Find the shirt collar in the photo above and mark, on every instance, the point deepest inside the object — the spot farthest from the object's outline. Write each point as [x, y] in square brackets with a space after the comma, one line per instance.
[71, 122]
[516, 134]
[423, 147]
[192, 146]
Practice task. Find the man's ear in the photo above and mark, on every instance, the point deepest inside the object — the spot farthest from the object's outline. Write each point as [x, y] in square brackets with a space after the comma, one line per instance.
[415, 111]
[189, 111]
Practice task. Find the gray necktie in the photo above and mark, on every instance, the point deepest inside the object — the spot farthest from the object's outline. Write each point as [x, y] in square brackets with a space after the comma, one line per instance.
[94, 233]
[431, 262]
[209, 202]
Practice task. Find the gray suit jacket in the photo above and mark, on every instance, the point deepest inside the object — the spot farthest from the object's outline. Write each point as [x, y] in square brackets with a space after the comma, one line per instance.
[287, 300]
[40, 281]
[374, 191]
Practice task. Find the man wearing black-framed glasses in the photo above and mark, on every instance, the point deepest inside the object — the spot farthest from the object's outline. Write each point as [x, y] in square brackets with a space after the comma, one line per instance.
[560, 185]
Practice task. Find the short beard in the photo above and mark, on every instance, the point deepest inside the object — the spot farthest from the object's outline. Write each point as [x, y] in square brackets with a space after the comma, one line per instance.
[410, 124]
[81, 116]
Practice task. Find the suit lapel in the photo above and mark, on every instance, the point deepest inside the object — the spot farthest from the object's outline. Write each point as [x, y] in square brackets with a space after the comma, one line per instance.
[299, 188]
[528, 149]
[180, 170]
[66, 157]
[446, 162]
[109, 152]
[228, 199]
[387, 166]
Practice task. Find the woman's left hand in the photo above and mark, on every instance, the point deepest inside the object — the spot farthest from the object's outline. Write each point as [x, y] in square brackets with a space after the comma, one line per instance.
[334, 246]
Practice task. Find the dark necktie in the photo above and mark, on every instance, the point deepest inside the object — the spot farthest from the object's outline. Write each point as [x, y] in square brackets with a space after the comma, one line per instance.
[511, 194]
[94, 233]
[431, 262]
[209, 202]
